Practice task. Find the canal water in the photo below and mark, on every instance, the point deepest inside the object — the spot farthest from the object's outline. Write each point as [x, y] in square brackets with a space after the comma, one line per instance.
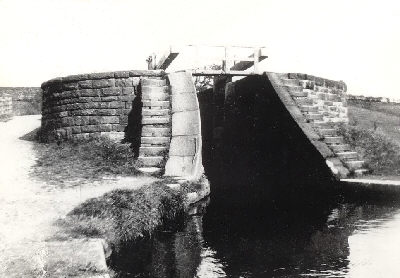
[340, 237]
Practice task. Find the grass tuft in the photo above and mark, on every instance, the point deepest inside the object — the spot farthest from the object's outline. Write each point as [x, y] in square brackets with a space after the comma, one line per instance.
[92, 159]
[125, 215]
[380, 152]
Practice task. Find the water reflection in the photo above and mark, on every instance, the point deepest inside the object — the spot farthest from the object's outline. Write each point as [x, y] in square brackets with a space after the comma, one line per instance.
[349, 240]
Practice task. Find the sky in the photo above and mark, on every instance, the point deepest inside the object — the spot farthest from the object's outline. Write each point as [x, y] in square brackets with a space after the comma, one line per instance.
[357, 41]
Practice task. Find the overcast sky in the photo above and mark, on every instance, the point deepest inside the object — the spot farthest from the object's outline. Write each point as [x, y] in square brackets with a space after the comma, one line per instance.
[355, 41]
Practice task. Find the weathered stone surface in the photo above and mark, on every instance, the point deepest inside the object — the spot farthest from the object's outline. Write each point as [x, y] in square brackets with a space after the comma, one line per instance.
[153, 151]
[155, 96]
[150, 131]
[184, 146]
[156, 103]
[155, 120]
[153, 82]
[150, 161]
[103, 83]
[184, 102]
[181, 82]
[164, 141]
[186, 123]
[155, 89]
[75, 258]
[180, 166]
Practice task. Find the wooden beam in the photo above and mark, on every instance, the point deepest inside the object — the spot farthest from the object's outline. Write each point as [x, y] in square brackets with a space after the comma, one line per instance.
[221, 72]
[244, 65]
[167, 58]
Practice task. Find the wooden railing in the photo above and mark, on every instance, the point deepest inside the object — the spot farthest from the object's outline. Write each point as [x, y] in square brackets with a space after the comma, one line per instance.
[230, 64]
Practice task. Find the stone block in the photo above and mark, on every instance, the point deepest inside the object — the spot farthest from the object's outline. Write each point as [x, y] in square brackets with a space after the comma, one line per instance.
[186, 123]
[180, 166]
[110, 98]
[155, 96]
[184, 145]
[181, 82]
[153, 151]
[121, 74]
[105, 128]
[156, 103]
[153, 82]
[118, 127]
[101, 75]
[70, 86]
[152, 131]
[85, 84]
[184, 102]
[150, 160]
[163, 141]
[155, 89]
[106, 112]
[124, 82]
[111, 92]
[90, 128]
[76, 129]
[94, 120]
[109, 119]
[128, 91]
[155, 120]
[103, 83]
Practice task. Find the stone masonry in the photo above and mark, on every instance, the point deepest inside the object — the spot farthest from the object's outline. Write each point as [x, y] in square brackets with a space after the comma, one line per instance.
[319, 105]
[185, 152]
[5, 106]
[156, 124]
[89, 105]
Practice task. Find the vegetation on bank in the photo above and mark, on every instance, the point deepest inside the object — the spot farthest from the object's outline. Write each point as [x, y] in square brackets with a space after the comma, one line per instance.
[374, 132]
[125, 215]
[94, 159]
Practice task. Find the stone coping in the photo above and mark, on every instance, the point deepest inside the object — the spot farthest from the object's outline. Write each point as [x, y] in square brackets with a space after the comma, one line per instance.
[103, 75]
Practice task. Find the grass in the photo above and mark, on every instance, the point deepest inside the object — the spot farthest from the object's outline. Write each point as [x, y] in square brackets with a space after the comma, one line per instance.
[94, 159]
[374, 132]
[126, 215]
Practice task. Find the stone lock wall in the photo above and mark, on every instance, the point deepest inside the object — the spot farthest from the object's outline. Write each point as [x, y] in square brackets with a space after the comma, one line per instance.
[89, 105]
[5, 106]
[319, 105]
[25, 100]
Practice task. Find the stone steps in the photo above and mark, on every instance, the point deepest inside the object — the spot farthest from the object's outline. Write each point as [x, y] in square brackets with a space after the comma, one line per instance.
[290, 82]
[155, 112]
[340, 148]
[323, 109]
[354, 165]
[347, 155]
[156, 120]
[330, 140]
[156, 125]
[155, 96]
[156, 131]
[361, 172]
[327, 131]
[155, 140]
[153, 82]
[312, 116]
[155, 89]
[308, 108]
[161, 104]
[152, 151]
[150, 161]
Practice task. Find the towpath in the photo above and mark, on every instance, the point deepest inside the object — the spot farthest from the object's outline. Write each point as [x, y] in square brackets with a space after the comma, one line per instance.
[29, 207]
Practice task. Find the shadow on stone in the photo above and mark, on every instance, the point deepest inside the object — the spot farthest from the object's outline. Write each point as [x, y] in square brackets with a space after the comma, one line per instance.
[133, 130]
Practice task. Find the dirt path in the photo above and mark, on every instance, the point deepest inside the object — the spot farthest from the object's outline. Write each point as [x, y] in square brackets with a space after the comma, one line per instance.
[28, 207]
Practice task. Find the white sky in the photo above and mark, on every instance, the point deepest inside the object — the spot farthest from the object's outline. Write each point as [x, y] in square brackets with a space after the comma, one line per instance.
[356, 41]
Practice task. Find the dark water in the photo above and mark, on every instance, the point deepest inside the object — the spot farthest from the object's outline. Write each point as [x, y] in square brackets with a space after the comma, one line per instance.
[339, 239]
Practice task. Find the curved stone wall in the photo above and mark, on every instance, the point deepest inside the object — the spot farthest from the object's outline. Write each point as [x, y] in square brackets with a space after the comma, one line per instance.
[89, 105]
